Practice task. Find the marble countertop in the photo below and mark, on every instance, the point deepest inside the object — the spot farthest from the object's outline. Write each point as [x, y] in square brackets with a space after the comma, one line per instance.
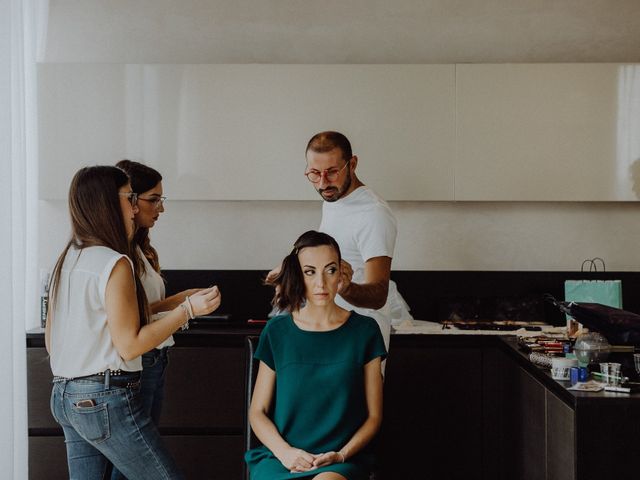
[416, 327]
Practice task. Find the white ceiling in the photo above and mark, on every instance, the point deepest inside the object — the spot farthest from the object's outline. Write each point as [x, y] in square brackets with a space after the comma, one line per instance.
[342, 31]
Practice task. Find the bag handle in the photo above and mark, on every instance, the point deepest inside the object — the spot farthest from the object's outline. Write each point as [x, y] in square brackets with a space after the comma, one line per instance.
[593, 266]
[586, 261]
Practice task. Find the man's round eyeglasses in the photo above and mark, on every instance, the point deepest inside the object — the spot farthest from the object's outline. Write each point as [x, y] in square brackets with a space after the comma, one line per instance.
[155, 201]
[331, 174]
[131, 196]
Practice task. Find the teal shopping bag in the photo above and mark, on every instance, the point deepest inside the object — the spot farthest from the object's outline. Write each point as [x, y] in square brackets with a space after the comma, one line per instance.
[605, 292]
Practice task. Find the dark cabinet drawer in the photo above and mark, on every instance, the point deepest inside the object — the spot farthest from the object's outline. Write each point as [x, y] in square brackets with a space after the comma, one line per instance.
[432, 426]
[39, 389]
[200, 456]
[201, 421]
[204, 389]
[47, 458]
[210, 457]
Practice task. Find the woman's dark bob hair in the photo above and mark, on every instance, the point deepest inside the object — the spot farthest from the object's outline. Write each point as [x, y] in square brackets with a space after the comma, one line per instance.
[141, 176]
[290, 289]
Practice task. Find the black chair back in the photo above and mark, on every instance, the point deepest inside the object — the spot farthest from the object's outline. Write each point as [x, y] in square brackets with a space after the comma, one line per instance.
[251, 372]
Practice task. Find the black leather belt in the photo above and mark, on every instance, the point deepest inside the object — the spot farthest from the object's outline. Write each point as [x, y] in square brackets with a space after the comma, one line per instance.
[114, 378]
[122, 380]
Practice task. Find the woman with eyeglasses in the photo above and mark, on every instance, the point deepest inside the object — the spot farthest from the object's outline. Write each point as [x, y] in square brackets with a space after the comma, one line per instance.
[97, 330]
[146, 182]
[317, 400]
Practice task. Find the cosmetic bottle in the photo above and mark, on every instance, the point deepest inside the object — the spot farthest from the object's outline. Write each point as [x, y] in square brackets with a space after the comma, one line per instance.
[44, 297]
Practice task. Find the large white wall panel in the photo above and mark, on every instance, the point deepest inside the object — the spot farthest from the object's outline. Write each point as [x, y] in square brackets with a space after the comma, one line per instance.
[81, 121]
[238, 132]
[546, 131]
[431, 235]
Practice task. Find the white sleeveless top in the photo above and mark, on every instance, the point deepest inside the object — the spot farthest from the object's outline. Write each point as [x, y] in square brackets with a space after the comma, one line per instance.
[153, 284]
[81, 343]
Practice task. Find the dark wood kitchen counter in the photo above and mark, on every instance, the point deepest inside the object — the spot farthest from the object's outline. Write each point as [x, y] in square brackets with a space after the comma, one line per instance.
[456, 407]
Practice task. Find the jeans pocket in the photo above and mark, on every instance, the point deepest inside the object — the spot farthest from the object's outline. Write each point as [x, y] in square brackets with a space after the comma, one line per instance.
[92, 423]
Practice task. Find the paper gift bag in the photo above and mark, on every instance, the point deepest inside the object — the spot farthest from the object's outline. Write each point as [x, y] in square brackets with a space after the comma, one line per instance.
[605, 292]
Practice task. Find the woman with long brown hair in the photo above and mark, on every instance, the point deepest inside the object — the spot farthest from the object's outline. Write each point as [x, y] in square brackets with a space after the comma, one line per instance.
[317, 401]
[97, 329]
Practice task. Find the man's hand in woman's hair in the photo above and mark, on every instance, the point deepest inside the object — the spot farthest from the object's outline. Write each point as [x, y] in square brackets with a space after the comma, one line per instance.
[271, 276]
[346, 272]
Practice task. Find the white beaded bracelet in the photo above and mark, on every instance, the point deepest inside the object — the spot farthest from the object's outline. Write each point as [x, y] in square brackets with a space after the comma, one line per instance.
[189, 308]
[343, 458]
[185, 325]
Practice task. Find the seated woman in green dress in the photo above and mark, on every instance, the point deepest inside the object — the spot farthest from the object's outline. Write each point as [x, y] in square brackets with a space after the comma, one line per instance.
[317, 401]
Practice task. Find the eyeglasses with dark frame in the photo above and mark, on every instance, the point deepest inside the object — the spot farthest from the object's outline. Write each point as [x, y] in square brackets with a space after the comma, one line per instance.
[331, 174]
[131, 196]
[155, 201]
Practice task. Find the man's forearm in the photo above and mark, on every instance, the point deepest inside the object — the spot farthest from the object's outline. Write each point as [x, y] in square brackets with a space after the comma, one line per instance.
[366, 295]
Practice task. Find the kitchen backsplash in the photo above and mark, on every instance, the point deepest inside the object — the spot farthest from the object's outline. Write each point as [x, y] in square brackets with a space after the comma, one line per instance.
[432, 295]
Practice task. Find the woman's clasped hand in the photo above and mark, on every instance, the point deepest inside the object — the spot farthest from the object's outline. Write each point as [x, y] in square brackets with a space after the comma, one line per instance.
[297, 460]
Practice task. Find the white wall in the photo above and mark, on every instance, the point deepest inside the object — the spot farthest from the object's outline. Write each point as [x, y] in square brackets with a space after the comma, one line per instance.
[205, 231]
[233, 132]
[219, 232]
[432, 235]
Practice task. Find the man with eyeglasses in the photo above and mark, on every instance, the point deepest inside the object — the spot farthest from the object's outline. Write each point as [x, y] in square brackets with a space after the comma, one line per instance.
[364, 227]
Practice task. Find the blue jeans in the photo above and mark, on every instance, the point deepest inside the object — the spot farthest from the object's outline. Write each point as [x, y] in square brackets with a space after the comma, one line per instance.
[154, 364]
[112, 427]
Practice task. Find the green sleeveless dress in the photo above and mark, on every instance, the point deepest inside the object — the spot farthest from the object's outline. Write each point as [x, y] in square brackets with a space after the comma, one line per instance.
[320, 399]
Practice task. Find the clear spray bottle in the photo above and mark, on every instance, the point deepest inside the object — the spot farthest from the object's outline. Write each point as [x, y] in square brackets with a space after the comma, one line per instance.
[44, 296]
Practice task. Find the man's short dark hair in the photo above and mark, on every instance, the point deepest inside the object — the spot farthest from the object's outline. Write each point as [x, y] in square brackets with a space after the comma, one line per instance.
[326, 141]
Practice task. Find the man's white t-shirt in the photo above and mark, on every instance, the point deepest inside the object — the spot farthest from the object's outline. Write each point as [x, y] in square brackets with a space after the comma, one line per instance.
[364, 227]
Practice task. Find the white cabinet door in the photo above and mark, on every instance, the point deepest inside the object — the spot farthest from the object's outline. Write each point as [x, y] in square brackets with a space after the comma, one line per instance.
[82, 120]
[238, 132]
[547, 132]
